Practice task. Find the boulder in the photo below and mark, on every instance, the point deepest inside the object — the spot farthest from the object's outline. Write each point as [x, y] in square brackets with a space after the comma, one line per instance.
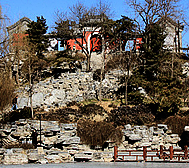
[186, 128]
[15, 158]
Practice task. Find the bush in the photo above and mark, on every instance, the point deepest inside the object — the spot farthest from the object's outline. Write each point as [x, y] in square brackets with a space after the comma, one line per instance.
[92, 109]
[17, 114]
[137, 115]
[97, 74]
[177, 123]
[6, 89]
[97, 133]
[66, 115]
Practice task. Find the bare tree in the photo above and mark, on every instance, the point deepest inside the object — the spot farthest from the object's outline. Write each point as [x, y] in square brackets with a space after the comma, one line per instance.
[82, 22]
[30, 58]
[7, 86]
[4, 43]
[126, 62]
[149, 12]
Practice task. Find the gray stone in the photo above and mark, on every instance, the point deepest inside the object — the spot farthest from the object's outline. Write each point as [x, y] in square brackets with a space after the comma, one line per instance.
[186, 128]
[135, 137]
[38, 99]
[82, 157]
[162, 126]
[33, 157]
[42, 161]
[15, 158]
[128, 126]
[22, 102]
[59, 93]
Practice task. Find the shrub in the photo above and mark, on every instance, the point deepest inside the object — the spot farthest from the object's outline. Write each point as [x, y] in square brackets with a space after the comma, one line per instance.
[97, 133]
[6, 89]
[177, 123]
[92, 109]
[17, 114]
[137, 115]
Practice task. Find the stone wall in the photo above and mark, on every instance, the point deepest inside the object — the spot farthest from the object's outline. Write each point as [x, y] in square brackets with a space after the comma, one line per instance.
[68, 87]
[60, 142]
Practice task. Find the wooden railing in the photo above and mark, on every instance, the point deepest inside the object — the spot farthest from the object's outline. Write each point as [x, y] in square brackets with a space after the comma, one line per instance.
[151, 155]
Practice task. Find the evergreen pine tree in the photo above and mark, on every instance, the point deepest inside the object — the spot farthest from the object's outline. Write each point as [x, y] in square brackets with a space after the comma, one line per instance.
[161, 82]
[36, 35]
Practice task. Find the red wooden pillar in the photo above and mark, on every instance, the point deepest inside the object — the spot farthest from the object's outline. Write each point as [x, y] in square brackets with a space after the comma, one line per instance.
[115, 153]
[171, 152]
[185, 152]
[161, 151]
[144, 153]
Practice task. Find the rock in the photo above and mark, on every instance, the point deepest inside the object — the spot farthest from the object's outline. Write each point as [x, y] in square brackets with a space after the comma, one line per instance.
[82, 157]
[128, 126]
[66, 88]
[98, 157]
[2, 151]
[65, 157]
[15, 158]
[147, 144]
[42, 161]
[22, 102]
[37, 99]
[186, 128]
[68, 126]
[60, 142]
[33, 157]
[108, 157]
[162, 126]
[53, 159]
[58, 93]
[135, 137]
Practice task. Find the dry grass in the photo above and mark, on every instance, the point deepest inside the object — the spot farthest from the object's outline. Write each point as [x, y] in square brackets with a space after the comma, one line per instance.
[7, 88]
[177, 123]
[97, 133]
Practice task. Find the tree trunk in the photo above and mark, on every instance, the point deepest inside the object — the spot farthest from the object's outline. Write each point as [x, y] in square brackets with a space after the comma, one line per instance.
[102, 68]
[126, 91]
[30, 88]
[88, 62]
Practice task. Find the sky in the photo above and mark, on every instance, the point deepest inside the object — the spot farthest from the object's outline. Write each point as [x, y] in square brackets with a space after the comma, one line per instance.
[16, 9]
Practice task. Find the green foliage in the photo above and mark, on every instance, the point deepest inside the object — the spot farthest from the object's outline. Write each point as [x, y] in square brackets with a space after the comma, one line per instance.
[124, 29]
[88, 101]
[116, 33]
[64, 29]
[36, 34]
[97, 133]
[153, 53]
[65, 57]
[162, 83]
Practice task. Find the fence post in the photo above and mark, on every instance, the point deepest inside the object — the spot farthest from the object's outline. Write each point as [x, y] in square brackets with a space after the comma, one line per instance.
[171, 152]
[115, 153]
[185, 152]
[144, 153]
[161, 151]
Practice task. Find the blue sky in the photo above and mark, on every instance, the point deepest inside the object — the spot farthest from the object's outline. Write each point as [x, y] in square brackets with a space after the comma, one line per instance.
[16, 9]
